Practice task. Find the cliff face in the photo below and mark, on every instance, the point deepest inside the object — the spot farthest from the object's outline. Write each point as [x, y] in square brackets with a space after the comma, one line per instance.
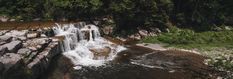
[26, 54]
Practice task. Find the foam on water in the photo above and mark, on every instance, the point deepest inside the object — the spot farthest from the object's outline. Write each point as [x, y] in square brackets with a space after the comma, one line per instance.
[79, 39]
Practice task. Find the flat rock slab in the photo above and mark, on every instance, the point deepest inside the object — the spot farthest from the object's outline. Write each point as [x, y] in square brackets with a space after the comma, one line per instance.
[152, 46]
[24, 52]
[16, 33]
[10, 59]
[13, 46]
[5, 38]
[33, 35]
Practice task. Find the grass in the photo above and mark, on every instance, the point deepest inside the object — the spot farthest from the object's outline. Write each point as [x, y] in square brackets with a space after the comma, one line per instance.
[188, 39]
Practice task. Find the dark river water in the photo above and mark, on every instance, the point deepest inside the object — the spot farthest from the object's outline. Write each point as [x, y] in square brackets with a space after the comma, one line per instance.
[153, 65]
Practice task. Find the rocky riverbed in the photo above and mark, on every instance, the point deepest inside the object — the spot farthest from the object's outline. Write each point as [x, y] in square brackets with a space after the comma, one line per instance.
[26, 54]
[35, 53]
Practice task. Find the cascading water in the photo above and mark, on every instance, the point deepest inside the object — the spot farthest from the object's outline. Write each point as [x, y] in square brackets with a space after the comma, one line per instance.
[84, 46]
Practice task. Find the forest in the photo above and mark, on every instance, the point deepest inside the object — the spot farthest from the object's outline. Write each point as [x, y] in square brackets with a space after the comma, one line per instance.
[197, 36]
[200, 15]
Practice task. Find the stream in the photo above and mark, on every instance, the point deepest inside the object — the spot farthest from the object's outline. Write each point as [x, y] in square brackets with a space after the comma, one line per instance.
[87, 55]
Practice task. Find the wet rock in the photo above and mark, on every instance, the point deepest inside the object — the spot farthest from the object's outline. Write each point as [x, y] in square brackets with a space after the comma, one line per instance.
[101, 53]
[180, 61]
[10, 59]
[33, 35]
[24, 52]
[49, 32]
[13, 46]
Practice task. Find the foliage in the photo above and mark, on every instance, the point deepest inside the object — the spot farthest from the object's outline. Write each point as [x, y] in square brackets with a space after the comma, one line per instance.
[189, 39]
[127, 14]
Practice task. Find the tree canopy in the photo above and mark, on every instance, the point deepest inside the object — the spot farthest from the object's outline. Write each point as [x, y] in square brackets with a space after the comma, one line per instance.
[197, 14]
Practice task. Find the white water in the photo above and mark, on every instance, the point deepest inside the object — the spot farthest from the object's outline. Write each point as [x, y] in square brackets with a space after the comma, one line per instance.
[79, 39]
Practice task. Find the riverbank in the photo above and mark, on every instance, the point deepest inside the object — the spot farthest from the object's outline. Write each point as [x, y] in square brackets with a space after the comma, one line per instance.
[216, 45]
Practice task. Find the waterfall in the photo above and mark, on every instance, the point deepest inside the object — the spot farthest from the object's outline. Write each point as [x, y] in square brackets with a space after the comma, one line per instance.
[84, 46]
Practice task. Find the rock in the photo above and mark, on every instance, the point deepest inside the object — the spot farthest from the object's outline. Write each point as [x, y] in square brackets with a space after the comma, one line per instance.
[2, 42]
[135, 36]
[12, 20]
[152, 34]
[43, 36]
[33, 35]
[16, 33]
[22, 38]
[101, 53]
[33, 48]
[13, 46]
[3, 18]
[96, 22]
[5, 38]
[49, 32]
[152, 46]
[2, 32]
[107, 30]
[10, 59]
[143, 33]
[37, 41]
[158, 30]
[3, 50]
[24, 52]
[227, 28]
[167, 30]
[37, 19]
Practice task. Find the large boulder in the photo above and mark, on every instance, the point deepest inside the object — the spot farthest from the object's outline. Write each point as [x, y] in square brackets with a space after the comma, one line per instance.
[13, 46]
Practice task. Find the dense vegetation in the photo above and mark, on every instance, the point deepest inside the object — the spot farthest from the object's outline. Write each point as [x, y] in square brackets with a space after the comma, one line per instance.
[127, 14]
[186, 38]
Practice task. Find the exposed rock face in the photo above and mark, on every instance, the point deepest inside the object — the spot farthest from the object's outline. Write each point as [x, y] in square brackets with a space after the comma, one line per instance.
[24, 54]
[10, 59]
[13, 46]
